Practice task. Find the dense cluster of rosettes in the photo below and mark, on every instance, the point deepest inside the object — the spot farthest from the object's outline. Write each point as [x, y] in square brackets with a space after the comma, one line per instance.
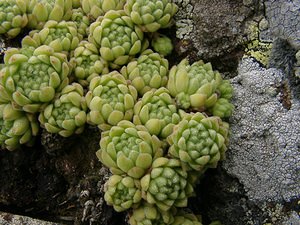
[90, 62]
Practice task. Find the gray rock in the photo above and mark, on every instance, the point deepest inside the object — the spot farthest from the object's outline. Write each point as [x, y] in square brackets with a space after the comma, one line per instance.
[9, 219]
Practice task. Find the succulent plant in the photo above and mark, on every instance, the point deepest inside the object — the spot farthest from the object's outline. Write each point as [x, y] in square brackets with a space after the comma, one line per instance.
[76, 4]
[61, 36]
[87, 63]
[184, 218]
[94, 9]
[166, 184]
[162, 44]
[12, 17]
[149, 214]
[81, 20]
[117, 37]
[33, 76]
[151, 15]
[199, 141]
[157, 112]
[41, 11]
[110, 100]
[128, 149]
[148, 71]
[67, 114]
[122, 192]
[17, 127]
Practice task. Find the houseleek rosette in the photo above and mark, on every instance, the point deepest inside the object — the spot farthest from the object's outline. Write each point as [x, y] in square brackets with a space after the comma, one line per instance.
[87, 63]
[81, 20]
[162, 44]
[149, 214]
[148, 71]
[110, 100]
[166, 184]
[12, 17]
[17, 127]
[94, 9]
[151, 15]
[157, 111]
[199, 141]
[61, 36]
[41, 11]
[184, 218]
[122, 192]
[33, 76]
[67, 114]
[117, 37]
[128, 149]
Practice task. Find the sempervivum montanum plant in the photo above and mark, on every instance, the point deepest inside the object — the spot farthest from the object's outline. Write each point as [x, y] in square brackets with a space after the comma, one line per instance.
[194, 86]
[129, 149]
[199, 141]
[184, 218]
[122, 192]
[33, 76]
[151, 15]
[157, 111]
[61, 36]
[110, 100]
[148, 71]
[117, 37]
[12, 17]
[87, 63]
[81, 20]
[166, 184]
[162, 44]
[41, 11]
[67, 114]
[94, 9]
[149, 214]
[17, 127]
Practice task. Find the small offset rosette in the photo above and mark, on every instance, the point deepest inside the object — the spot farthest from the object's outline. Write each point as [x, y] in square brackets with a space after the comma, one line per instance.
[181, 217]
[110, 100]
[67, 114]
[199, 141]
[129, 149]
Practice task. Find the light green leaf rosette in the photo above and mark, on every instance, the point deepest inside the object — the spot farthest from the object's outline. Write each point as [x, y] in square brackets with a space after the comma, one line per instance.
[166, 184]
[184, 218]
[129, 149]
[157, 112]
[81, 20]
[148, 71]
[149, 214]
[197, 86]
[61, 36]
[199, 141]
[33, 76]
[151, 15]
[94, 9]
[117, 38]
[122, 192]
[12, 17]
[41, 11]
[110, 100]
[87, 63]
[162, 44]
[67, 114]
[17, 127]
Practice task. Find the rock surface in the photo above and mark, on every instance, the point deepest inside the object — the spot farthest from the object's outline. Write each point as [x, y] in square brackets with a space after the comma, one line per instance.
[9, 219]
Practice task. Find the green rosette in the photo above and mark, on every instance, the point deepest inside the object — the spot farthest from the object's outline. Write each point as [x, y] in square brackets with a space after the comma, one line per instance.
[122, 192]
[185, 218]
[129, 149]
[110, 100]
[151, 15]
[67, 114]
[17, 127]
[148, 71]
[149, 214]
[13, 17]
[41, 11]
[118, 39]
[81, 20]
[162, 44]
[196, 86]
[94, 9]
[157, 112]
[87, 63]
[166, 184]
[32, 77]
[61, 36]
[199, 141]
